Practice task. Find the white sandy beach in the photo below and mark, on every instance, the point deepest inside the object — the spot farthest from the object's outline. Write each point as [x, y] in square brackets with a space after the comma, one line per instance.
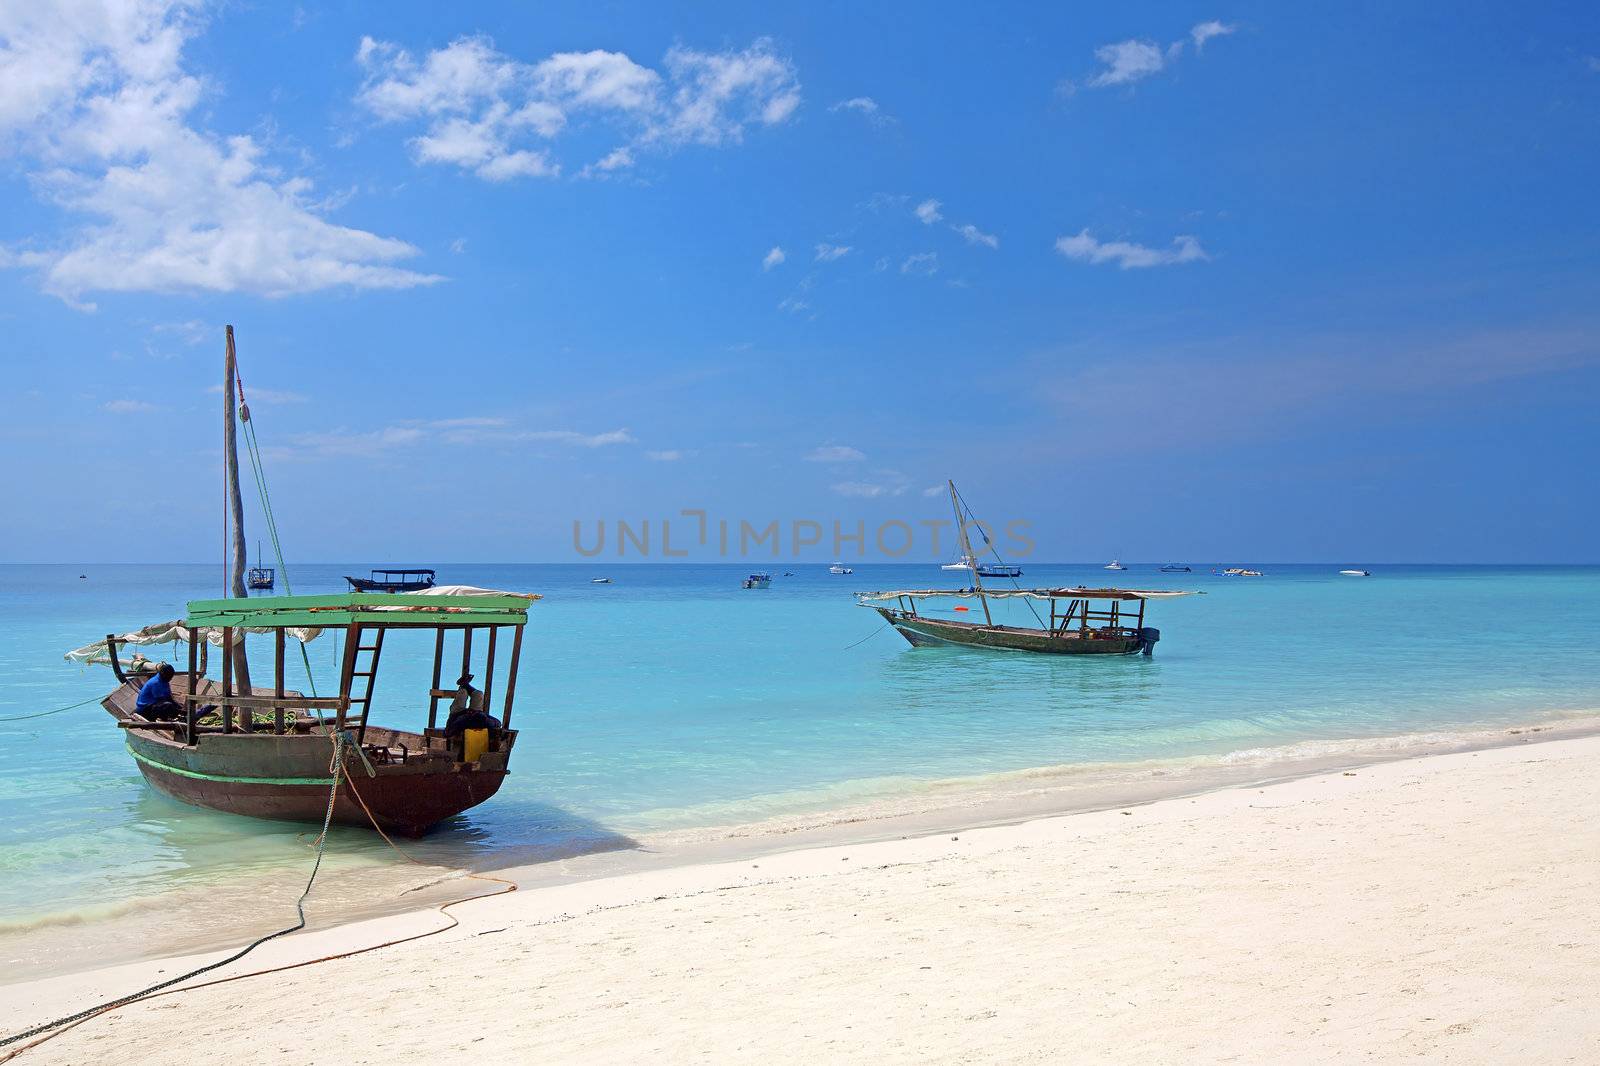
[1440, 907]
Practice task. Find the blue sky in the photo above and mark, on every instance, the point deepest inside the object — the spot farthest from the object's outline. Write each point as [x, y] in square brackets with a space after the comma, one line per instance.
[1190, 281]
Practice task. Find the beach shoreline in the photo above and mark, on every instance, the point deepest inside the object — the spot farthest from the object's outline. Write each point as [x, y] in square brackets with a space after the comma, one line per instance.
[1256, 924]
[374, 891]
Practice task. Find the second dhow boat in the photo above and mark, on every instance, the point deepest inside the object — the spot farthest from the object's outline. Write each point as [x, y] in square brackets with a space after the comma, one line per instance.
[1093, 621]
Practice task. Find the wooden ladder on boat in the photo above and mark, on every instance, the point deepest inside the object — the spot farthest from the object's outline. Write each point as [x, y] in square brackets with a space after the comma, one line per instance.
[361, 679]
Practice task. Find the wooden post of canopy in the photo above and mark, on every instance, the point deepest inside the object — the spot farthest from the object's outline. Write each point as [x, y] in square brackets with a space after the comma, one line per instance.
[277, 679]
[227, 679]
[511, 678]
[189, 705]
[347, 669]
[438, 667]
[466, 650]
[488, 668]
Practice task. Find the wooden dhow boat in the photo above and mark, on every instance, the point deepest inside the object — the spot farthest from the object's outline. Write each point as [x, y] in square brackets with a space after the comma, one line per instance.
[1092, 622]
[230, 745]
[1103, 621]
[265, 752]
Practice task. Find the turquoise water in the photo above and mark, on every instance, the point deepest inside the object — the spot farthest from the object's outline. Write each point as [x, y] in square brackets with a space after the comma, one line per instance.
[672, 698]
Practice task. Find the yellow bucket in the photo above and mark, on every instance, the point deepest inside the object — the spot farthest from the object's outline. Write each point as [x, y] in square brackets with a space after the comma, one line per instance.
[474, 742]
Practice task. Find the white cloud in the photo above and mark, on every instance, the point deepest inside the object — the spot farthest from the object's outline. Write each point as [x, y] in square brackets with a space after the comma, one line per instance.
[976, 236]
[1127, 61]
[773, 258]
[495, 115]
[458, 245]
[867, 108]
[793, 304]
[834, 453]
[671, 455]
[827, 253]
[1204, 31]
[98, 102]
[579, 440]
[934, 490]
[1128, 256]
[928, 212]
[268, 397]
[471, 431]
[128, 407]
[867, 490]
[924, 263]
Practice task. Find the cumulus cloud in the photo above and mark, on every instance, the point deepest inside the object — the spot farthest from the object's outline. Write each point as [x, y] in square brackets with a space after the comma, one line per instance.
[497, 116]
[97, 102]
[928, 212]
[867, 108]
[1127, 255]
[924, 263]
[974, 235]
[835, 453]
[1204, 31]
[773, 258]
[1128, 61]
[826, 253]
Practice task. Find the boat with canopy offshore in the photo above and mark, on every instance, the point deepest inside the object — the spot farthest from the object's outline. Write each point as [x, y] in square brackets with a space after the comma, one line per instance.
[1081, 621]
[257, 747]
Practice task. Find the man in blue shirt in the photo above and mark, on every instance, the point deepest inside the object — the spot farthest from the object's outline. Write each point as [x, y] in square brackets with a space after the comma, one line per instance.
[155, 697]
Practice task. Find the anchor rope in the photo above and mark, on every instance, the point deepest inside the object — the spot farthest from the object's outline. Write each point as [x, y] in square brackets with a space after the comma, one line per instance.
[336, 764]
[162, 989]
[58, 710]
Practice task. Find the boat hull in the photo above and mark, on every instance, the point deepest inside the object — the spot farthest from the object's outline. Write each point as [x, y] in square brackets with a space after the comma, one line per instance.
[925, 632]
[361, 584]
[286, 777]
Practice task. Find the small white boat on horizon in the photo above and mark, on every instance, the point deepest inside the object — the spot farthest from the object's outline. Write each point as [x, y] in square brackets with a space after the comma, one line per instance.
[599, 581]
[1115, 564]
[840, 568]
[963, 563]
[1356, 573]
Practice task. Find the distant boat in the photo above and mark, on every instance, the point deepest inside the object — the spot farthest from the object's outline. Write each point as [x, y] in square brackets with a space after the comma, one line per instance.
[964, 563]
[1115, 564]
[83, 577]
[261, 577]
[1239, 571]
[1356, 573]
[999, 570]
[757, 581]
[599, 581]
[393, 581]
[788, 573]
[1174, 568]
[840, 568]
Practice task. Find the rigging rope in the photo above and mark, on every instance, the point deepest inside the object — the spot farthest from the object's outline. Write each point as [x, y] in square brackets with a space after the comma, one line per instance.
[991, 546]
[253, 448]
[58, 710]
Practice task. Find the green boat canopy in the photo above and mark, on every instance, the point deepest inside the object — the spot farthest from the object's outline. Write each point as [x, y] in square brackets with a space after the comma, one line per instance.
[450, 605]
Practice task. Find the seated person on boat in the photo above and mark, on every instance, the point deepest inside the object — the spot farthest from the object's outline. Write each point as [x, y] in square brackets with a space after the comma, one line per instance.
[155, 697]
[467, 710]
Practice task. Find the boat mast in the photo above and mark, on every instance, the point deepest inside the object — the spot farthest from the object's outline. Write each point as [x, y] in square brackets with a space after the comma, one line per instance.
[966, 552]
[230, 457]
